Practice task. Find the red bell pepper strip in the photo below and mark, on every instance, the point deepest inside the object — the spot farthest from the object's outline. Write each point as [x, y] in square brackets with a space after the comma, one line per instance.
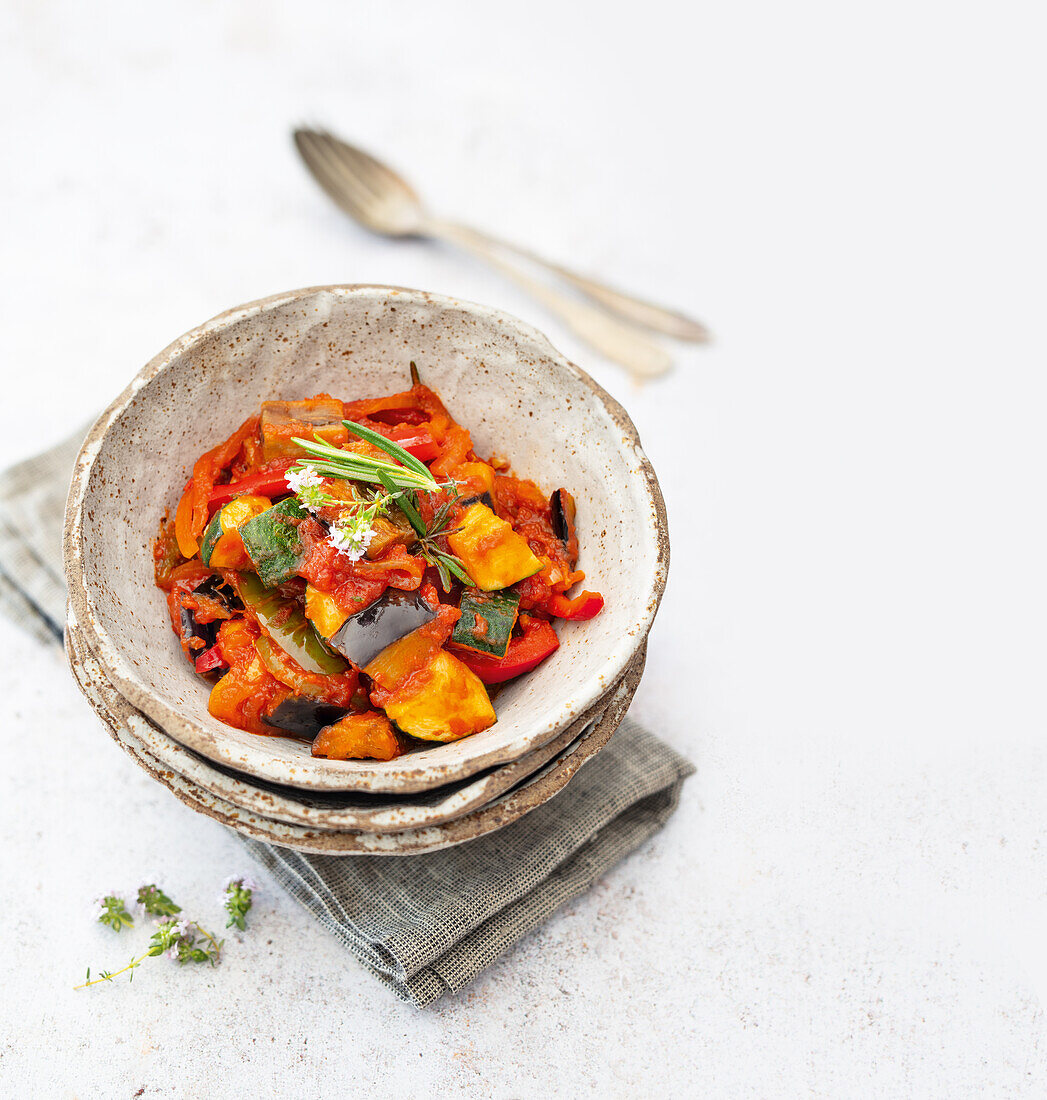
[579, 609]
[536, 643]
[416, 439]
[270, 482]
[211, 659]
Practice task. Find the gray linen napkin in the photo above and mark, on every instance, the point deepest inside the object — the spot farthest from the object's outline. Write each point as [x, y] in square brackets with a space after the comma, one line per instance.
[424, 925]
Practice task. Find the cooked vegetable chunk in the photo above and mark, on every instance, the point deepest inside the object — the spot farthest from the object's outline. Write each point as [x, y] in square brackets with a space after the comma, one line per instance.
[303, 717]
[359, 737]
[443, 702]
[493, 554]
[365, 634]
[272, 543]
[487, 621]
[221, 545]
[283, 621]
[537, 642]
[563, 510]
[283, 420]
[322, 610]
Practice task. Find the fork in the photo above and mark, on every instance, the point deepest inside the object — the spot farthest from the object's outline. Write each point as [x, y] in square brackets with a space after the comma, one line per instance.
[385, 203]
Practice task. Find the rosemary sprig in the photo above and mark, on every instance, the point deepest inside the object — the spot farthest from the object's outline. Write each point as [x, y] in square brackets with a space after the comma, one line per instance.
[407, 472]
[401, 479]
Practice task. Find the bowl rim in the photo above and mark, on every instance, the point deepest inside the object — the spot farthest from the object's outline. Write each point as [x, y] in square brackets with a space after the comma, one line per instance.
[111, 707]
[530, 794]
[250, 760]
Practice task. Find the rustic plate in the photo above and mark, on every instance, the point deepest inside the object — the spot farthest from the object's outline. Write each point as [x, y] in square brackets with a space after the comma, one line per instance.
[501, 378]
[369, 812]
[124, 723]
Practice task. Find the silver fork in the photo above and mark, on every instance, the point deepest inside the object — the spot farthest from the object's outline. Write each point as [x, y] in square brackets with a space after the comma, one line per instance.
[385, 203]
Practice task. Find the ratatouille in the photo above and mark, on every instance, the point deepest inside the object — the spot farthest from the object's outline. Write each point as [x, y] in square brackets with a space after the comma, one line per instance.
[353, 574]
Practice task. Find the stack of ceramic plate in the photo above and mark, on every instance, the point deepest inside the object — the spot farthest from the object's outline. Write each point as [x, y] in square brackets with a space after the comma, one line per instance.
[519, 397]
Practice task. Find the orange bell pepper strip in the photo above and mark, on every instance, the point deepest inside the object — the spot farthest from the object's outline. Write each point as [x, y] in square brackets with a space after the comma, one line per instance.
[194, 507]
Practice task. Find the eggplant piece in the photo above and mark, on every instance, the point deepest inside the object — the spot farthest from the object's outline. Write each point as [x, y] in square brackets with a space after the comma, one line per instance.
[206, 632]
[216, 589]
[304, 717]
[394, 614]
[563, 508]
[219, 589]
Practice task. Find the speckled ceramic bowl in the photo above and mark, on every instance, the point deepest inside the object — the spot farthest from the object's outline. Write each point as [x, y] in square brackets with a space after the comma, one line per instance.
[417, 834]
[322, 810]
[499, 377]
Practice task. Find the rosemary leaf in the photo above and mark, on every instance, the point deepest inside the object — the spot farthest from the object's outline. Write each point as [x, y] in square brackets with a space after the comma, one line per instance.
[392, 449]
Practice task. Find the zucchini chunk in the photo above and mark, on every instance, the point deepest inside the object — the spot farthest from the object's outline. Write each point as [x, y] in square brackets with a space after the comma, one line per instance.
[221, 545]
[283, 621]
[394, 614]
[487, 621]
[283, 420]
[303, 717]
[359, 737]
[493, 554]
[444, 701]
[272, 543]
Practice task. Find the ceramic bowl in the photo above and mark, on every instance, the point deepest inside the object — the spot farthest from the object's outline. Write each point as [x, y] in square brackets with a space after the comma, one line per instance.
[126, 726]
[339, 811]
[499, 377]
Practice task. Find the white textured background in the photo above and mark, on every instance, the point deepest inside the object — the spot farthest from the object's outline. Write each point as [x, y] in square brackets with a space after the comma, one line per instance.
[851, 900]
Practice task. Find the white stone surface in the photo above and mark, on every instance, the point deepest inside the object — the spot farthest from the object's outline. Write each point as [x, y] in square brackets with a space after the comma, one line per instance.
[851, 900]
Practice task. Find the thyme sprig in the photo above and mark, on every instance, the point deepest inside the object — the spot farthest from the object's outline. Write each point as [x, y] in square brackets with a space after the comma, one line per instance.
[401, 480]
[446, 564]
[237, 899]
[182, 941]
[155, 902]
[111, 911]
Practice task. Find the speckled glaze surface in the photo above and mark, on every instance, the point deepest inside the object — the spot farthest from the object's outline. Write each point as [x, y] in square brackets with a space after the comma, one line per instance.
[499, 377]
[124, 724]
[316, 810]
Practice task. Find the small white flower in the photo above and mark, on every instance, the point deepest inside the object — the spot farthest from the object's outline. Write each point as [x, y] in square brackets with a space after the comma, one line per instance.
[181, 929]
[303, 478]
[351, 538]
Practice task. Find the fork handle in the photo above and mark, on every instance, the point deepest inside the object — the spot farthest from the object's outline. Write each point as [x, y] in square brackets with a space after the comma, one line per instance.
[618, 340]
[651, 316]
